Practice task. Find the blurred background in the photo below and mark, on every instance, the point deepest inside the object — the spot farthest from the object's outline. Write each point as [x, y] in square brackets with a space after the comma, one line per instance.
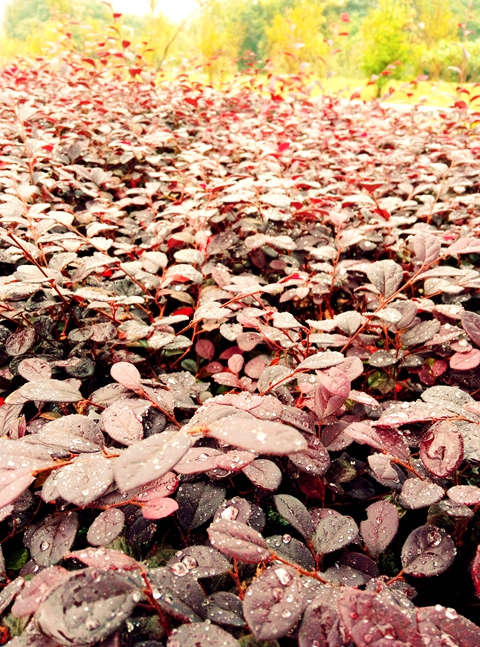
[339, 43]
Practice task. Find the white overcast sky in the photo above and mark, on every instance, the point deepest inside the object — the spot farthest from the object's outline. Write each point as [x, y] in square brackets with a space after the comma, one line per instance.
[175, 9]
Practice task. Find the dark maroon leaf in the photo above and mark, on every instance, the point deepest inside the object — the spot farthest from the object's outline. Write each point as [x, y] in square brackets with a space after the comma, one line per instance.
[200, 561]
[261, 436]
[204, 348]
[475, 571]
[264, 474]
[225, 608]
[106, 527]
[389, 441]
[52, 538]
[274, 602]
[37, 589]
[197, 503]
[85, 480]
[293, 511]
[105, 558]
[150, 459]
[203, 634]
[465, 494]
[238, 540]
[178, 593]
[428, 551]
[321, 625]
[441, 449]
[440, 626]
[332, 391]
[374, 619]
[87, 607]
[314, 460]
[420, 494]
[292, 550]
[380, 527]
[334, 532]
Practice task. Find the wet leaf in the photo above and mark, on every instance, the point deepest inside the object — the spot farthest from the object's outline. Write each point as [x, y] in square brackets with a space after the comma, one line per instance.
[334, 532]
[441, 626]
[321, 625]
[20, 342]
[50, 391]
[441, 449]
[264, 474]
[178, 593]
[260, 436]
[106, 527]
[420, 333]
[417, 494]
[127, 375]
[87, 607]
[225, 608]
[85, 480]
[197, 503]
[292, 550]
[105, 558]
[200, 561]
[76, 433]
[50, 540]
[386, 276]
[293, 511]
[332, 391]
[37, 589]
[149, 459]
[34, 368]
[464, 494]
[159, 508]
[380, 527]
[238, 540]
[122, 420]
[13, 482]
[471, 325]
[205, 634]
[314, 460]
[428, 551]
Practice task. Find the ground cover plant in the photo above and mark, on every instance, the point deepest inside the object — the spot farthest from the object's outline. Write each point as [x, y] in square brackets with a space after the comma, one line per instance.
[239, 357]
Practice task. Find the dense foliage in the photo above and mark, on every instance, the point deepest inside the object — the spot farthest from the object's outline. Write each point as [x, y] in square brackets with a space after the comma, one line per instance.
[239, 344]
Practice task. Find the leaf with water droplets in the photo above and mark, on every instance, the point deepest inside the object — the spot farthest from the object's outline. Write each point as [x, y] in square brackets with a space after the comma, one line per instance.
[78, 434]
[334, 532]
[50, 540]
[426, 247]
[264, 474]
[297, 515]
[380, 527]
[418, 494]
[314, 460]
[105, 558]
[225, 608]
[201, 561]
[428, 551]
[127, 375]
[37, 589]
[178, 592]
[50, 391]
[106, 527]
[150, 459]
[441, 626]
[204, 634]
[386, 276]
[465, 494]
[159, 508]
[420, 333]
[471, 325]
[372, 618]
[13, 482]
[349, 322]
[34, 368]
[87, 607]
[464, 246]
[86, 479]
[198, 502]
[321, 360]
[122, 420]
[20, 342]
[321, 623]
[332, 391]
[292, 550]
[441, 449]
[274, 602]
[262, 436]
[238, 540]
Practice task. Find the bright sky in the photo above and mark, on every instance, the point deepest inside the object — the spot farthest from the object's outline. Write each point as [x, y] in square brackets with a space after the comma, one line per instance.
[176, 10]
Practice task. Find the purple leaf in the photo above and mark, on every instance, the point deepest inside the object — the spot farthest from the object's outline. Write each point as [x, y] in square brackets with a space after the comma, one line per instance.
[465, 494]
[332, 391]
[178, 593]
[389, 441]
[465, 361]
[204, 634]
[50, 391]
[386, 276]
[122, 420]
[159, 508]
[127, 375]
[87, 607]
[293, 550]
[20, 342]
[204, 348]
[106, 527]
[150, 459]
[417, 494]
[314, 460]
[13, 483]
[274, 603]
[238, 540]
[441, 449]
[200, 561]
[426, 248]
[293, 511]
[198, 502]
[198, 460]
[428, 551]
[51, 539]
[374, 619]
[440, 626]
[162, 487]
[334, 532]
[105, 558]
[420, 333]
[321, 624]
[321, 360]
[234, 460]
[37, 589]
[34, 368]
[464, 246]
[261, 436]
[264, 474]
[471, 325]
[380, 527]
[225, 608]
[76, 433]
[86, 479]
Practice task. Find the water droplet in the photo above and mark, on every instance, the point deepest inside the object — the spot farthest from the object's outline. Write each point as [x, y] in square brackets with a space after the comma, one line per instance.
[44, 545]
